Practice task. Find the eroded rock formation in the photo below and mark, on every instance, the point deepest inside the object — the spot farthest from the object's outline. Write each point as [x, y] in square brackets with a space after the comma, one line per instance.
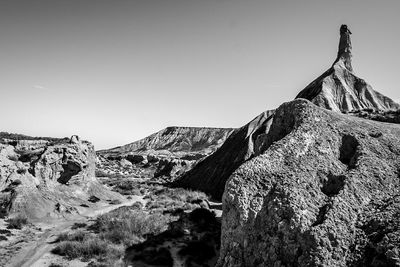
[324, 193]
[210, 174]
[46, 177]
[338, 89]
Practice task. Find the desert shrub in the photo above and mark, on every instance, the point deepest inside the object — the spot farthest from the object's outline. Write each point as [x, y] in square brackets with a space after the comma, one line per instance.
[170, 199]
[83, 245]
[17, 222]
[78, 225]
[114, 202]
[128, 226]
[180, 194]
[78, 235]
[16, 182]
[88, 248]
[124, 187]
[5, 232]
[93, 199]
[21, 171]
[137, 205]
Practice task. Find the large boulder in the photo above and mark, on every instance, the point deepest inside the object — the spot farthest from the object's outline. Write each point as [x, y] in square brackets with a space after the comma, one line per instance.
[324, 193]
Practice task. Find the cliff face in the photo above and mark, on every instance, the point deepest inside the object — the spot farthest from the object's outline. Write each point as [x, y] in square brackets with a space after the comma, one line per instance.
[338, 89]
[210, 174]
[324, 193]
[42, 177]
[175, 140]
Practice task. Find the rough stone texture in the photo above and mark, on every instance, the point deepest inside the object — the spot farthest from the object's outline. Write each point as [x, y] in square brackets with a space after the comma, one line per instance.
[324, 193]
[210, 174]
[339, 89]
[42, 178]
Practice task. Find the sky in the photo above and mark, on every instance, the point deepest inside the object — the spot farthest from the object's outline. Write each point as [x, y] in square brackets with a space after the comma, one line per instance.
[115, 71]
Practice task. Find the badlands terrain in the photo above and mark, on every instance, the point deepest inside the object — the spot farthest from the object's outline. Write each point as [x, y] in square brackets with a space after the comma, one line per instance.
[314, 182]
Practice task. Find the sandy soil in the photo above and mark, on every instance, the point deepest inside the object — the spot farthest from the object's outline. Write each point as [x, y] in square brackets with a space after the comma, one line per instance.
[31, 246]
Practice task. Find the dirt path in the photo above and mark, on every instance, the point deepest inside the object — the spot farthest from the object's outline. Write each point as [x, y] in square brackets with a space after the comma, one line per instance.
[33, 251]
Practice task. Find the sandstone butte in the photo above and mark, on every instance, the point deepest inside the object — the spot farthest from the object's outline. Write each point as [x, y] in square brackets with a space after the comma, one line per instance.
[321, 188]
[337, 89]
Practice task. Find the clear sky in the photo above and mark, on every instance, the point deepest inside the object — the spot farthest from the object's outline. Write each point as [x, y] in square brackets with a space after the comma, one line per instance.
[116, 71]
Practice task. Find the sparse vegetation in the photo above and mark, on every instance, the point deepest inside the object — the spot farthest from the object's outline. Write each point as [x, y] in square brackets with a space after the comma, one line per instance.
[132, 225]
[12, 136]
[17, 222]
[93, 199]
[78, 225]
[87, 246]
[127, 226]
[5, 232]
[114, 202]
[172, 199]
[106, 239]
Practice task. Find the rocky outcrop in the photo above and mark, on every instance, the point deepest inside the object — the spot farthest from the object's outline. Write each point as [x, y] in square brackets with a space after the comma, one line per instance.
[42, 178]
[339, 89]
[210, 174]
[324, 193]
[168, 153]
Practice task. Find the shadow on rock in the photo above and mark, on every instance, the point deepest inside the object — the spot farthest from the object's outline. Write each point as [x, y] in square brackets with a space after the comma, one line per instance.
[192, 240]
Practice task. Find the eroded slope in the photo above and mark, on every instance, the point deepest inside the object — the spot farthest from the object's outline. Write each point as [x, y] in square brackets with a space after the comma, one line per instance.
[313, 197]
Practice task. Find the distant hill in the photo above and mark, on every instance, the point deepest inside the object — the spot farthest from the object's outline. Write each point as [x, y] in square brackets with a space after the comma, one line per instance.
[178, 141]
[14, 136]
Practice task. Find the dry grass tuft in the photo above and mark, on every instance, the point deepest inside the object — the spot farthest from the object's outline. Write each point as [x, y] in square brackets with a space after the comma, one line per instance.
[17, 222]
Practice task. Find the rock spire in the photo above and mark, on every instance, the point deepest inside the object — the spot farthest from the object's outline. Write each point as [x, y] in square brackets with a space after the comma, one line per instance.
[339, 89]
[344, 52]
